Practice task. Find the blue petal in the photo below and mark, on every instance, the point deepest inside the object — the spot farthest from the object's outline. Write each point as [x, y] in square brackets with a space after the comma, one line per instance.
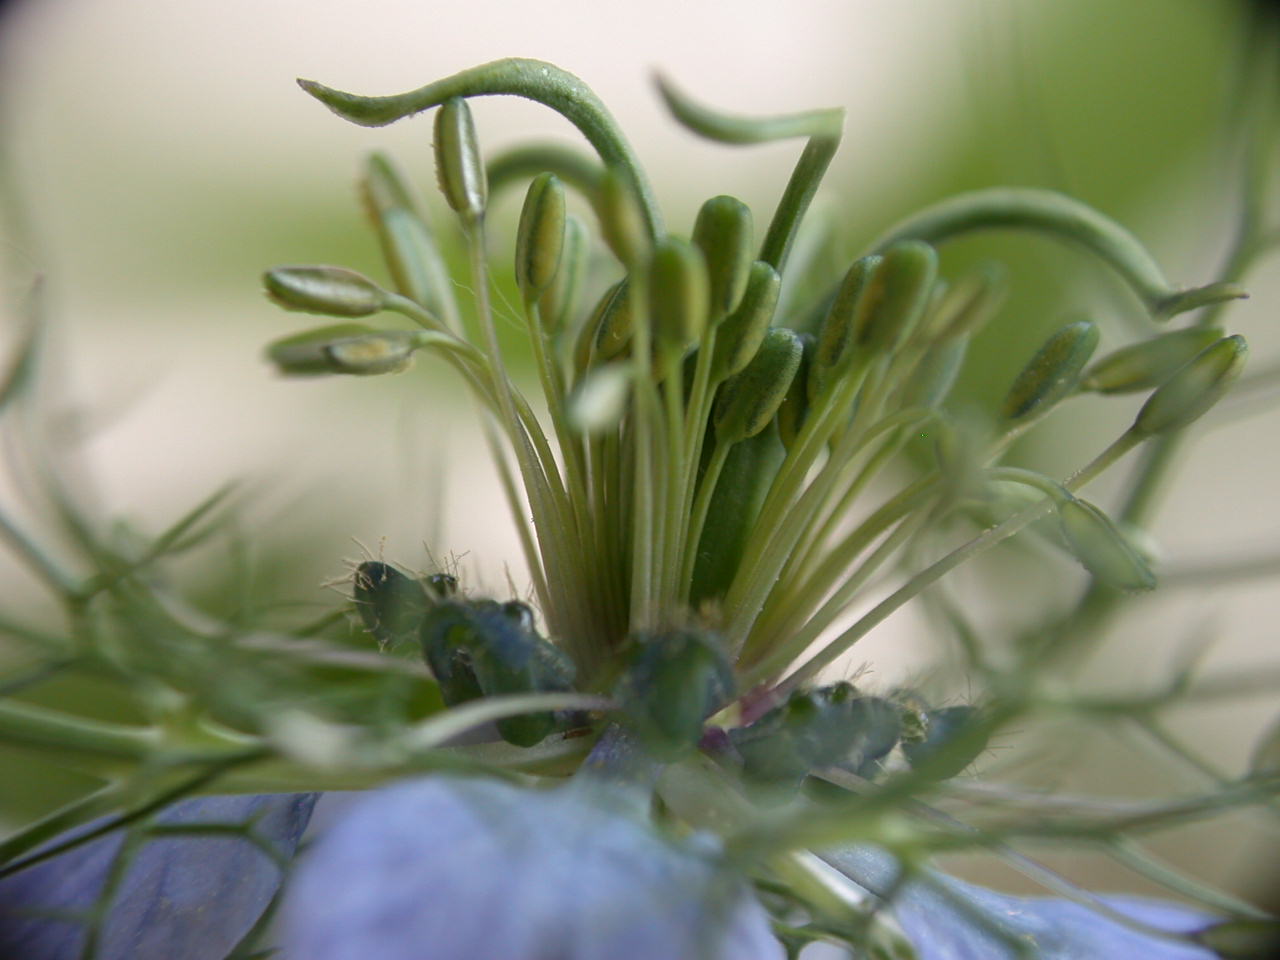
[186, 897]
[942, 920]
[459, 869]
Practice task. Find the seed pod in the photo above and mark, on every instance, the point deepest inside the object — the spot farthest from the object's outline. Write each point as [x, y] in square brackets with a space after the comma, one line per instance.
[902, 290]
[1102, 548]
[671, 683]
[836, 337]
[1150, 363]
[936, 373]
[1052, 373]
[391, 605]
[723, 232]
[459, 169]
[540, 237]
[622, 222]
[384, 351]
[331, 291]
[970, 303]
[948, 745]
[748, 400]
[614, 320]
[1196, 387]
[739, 334]
[795, 406]
[559, 302]
[831, 726]
[677, 294]
[305, 354]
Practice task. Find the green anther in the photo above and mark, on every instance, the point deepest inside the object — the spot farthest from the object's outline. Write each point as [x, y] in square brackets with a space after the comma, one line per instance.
[611, 327]
[749, 400]
[1102, 548]
[540, 237]
[836, 339]
[739, 335]
[331, 291]
[385, 351]
[559, 302]
[622, 221]
[671, 683]
[677, 294]
[723, 232]
[970, 303]
[1052, 374]
[459, 169]
[889, 311]
[305, 354]
[1194, 388]
[1150, 363]
[391, 605]
[934, 376]
[407, 246]
[795, 406]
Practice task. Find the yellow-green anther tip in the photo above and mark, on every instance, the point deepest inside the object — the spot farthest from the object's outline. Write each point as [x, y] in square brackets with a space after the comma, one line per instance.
[1102, 548]
[459, 169]
[677, 293]
[540, 237]
[749, 400]
[1052, 373]
[1194, 388]
[723, 232]
[331, 291]
[386, 351]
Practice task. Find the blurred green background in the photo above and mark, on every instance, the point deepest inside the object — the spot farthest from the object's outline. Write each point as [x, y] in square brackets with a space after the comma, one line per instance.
[156, 157]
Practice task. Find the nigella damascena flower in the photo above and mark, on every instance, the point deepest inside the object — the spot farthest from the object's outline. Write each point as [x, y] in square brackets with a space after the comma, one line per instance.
[183, 895]
[457, 869]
